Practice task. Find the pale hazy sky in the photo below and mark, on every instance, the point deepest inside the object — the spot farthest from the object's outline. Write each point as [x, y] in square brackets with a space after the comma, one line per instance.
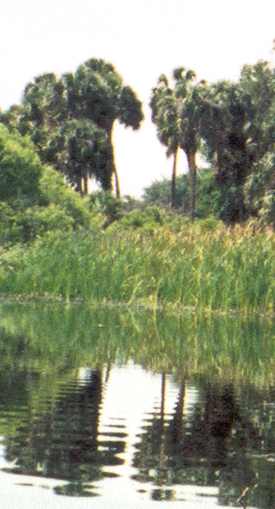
[143, 39]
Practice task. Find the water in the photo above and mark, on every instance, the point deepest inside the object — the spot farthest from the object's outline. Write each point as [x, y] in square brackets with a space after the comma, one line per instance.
[128, 410]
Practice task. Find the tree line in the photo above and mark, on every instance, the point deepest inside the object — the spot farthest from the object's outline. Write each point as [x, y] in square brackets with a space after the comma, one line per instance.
[232, 124]
[70, 121]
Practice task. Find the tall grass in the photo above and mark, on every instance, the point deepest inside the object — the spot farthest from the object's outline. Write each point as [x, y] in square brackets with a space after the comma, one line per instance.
[222, 269]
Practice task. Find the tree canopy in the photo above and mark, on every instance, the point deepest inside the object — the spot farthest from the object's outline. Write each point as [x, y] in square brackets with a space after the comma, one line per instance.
[70, 120]
[237, 124]
[233, 123]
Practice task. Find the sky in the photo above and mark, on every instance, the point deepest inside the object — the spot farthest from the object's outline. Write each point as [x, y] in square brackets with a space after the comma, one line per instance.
[142, 39]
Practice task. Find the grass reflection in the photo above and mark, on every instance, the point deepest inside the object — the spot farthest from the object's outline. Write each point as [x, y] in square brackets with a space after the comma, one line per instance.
[56, 338]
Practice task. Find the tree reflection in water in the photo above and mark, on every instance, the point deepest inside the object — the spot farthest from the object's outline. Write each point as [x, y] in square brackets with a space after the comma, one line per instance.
[209, 447]
[49, 419]
[64, 442]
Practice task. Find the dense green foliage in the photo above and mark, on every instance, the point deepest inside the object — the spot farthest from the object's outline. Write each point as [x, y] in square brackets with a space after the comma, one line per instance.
[260, 190]
[208, 194]
[34, 197]
[237, 123]
[20, 168]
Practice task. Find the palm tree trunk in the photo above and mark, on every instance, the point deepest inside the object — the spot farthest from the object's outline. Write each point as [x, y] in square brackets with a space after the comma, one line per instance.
[111, 166]
[163, 391]
[191, 158]
[85, 184]
[78, 185]
[117, 185]
[176, 425]
[174, 177]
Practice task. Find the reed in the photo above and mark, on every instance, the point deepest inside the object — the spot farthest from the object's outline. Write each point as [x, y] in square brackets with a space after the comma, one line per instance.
[223, 269]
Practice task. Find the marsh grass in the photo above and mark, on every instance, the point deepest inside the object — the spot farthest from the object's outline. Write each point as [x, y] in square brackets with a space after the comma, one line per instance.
[216, 270]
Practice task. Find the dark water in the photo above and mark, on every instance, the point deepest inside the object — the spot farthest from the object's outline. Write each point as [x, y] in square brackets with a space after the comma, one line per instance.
[91, 405]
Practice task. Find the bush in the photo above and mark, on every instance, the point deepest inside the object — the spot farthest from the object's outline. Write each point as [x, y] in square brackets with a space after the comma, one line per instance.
[8, 228]
[20, 168]
[36, 221]
[105, 203]
[209, 224]
[150, 217]
[35, 198]
[260, 190]
[54, 190]
[208, 194]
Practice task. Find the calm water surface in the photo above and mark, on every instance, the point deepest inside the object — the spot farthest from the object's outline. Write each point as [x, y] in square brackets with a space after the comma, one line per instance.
[107, 409]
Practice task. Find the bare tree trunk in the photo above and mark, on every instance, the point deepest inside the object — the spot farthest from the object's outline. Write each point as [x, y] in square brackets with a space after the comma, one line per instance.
[174, 177]
[191, 158]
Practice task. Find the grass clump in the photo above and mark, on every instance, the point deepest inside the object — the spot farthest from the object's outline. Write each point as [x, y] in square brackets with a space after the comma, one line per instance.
[196, 266]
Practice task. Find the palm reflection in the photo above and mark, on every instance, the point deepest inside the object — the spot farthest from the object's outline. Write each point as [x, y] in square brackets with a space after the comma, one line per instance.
[65, 442]
[207, 447]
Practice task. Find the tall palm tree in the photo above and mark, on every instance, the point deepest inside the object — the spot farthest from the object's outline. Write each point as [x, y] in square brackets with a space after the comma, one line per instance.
[186, 91]
[100, 96]
[165, 115]
[175, 113]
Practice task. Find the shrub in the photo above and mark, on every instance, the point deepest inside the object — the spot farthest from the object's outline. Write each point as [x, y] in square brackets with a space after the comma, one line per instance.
[36, 221]
[54, 190]
[260, 190]
[150, 216]
[35, 198]
[20, 168]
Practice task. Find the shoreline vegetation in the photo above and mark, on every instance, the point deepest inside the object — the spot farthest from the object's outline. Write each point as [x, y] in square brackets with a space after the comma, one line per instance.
[201, 241]
[192, 267]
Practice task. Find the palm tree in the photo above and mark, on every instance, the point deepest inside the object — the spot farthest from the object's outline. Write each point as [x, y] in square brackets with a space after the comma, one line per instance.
[165, 115]
[175, 113]
[100, 96]
[43, 111]
[83, 154]
[186, 91]
[70, 121]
